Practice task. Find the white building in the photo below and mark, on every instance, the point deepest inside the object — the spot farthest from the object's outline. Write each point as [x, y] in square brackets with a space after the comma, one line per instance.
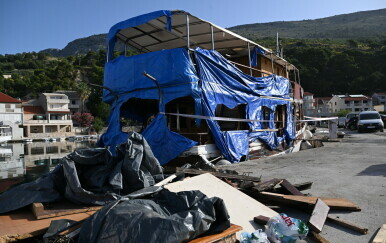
[353, 103]
[49, 116]
[11, 117]
[379, 98]
[309, 104]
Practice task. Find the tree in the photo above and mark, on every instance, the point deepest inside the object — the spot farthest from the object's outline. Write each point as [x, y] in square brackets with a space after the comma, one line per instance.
[98, 124]
[342, 113]
[84, 92]
[83, 119]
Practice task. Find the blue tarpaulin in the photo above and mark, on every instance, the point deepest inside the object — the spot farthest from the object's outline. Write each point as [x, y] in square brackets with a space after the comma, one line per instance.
[216, 81]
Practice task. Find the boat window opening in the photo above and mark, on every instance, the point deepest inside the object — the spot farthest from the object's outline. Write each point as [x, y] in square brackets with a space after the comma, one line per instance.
[136, 113]
[237, 112]
[266, 114]
[184, 125]
[280, 119]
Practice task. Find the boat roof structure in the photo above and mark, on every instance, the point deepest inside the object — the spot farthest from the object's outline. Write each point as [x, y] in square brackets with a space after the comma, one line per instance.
[166, 29]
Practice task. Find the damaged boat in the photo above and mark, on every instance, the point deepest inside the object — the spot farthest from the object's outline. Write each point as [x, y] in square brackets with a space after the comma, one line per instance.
[199, 89]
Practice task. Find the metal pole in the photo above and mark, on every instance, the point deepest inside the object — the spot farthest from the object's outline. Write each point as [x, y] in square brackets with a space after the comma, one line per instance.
[249, 57]
[178, 118]
[272, 63]
[125, 49]
[212, 37]
[187, 32]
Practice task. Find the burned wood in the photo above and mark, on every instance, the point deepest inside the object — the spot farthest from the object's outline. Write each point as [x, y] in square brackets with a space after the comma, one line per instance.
[261, 220]
[307, 202]
[318, 216]
[218, 174]
[300, 186]
[266, 185]
[290, 188]
[347, 224]
[56, 209]
[317, 238]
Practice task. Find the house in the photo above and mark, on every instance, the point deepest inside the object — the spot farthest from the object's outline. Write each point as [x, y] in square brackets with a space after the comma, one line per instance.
[76, 104]
[309, 104]
[322, 108]
[11, 117]
[353, 103]
[379, 98]
[48, 116]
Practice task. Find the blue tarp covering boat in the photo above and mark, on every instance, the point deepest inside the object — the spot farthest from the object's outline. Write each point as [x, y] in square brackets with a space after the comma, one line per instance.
[205, 75]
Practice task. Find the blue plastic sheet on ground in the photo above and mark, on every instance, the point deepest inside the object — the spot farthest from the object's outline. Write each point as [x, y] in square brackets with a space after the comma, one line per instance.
[217, 81]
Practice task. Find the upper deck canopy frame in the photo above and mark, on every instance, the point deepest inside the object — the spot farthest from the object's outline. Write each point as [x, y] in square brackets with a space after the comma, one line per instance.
[167, 29]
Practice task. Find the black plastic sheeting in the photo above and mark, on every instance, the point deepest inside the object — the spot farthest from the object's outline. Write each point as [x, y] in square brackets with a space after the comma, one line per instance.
[164, 217]
[91, 176]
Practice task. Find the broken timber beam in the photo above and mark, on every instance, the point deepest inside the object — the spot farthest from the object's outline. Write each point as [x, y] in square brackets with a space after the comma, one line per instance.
[290, 188]
[333, 203]
[347, 224]
[218, 174]
[299, 187]
[266, 185]
[318, 216]
[57, 209]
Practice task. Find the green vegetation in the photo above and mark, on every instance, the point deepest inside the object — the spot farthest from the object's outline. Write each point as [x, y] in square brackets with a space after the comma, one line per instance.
[342, 113]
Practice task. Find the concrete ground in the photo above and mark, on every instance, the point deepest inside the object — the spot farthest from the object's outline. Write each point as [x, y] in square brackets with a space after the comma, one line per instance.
[354, 169]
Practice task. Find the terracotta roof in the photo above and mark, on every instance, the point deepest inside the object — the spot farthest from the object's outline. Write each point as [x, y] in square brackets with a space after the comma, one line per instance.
[33, 110]
[8, 99]
[380, 93]
[323, 98]
[308, 93]
[355, 98]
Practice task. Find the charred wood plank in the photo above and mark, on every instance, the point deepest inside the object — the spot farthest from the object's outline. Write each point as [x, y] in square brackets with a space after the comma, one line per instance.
[347, 224]
[290, 188]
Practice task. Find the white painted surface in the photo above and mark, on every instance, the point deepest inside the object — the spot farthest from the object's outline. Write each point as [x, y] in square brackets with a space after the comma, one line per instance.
[241, 208]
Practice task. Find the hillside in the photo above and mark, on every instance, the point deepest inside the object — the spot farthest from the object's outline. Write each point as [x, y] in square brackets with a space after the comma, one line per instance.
[80, 46]
[366, 24]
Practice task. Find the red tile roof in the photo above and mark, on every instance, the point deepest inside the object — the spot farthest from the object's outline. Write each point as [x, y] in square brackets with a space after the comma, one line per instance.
[33, 110]
[308, 93]
[323, 98]
[380, 93]
[8, 99]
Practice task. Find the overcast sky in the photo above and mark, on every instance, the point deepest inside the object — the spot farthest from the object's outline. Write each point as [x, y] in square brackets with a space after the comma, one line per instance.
[34, 25]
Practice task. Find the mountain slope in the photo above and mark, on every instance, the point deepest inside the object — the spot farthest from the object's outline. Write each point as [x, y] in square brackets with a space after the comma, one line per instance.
[366, 24]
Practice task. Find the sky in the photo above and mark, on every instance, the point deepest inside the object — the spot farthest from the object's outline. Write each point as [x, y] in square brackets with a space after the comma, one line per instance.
[35, 25]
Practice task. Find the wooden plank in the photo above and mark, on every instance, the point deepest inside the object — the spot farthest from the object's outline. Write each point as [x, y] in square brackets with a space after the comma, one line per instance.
[290, 188]
[381, 235]
[239, 205]
[43, 211]
[218, 174]
[300, 186]
[333, 203]
[221, 237]
[347, 224]
[318, 216]
[266, 185]
[22, 224]
[261, 220]
[317, 238]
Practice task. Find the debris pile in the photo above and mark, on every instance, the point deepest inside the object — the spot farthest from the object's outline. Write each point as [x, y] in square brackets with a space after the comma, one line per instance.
[94, 196]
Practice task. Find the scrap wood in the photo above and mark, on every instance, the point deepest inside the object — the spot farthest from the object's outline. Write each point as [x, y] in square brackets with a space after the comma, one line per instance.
[317, 238]
[290, 188]
[42, 211]
[381, 235]
[347, 224]
[22, 224]
[300, 186]
[333, 203]
[225, 236]
[266, 185]
[218, 174]
[318, 216]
